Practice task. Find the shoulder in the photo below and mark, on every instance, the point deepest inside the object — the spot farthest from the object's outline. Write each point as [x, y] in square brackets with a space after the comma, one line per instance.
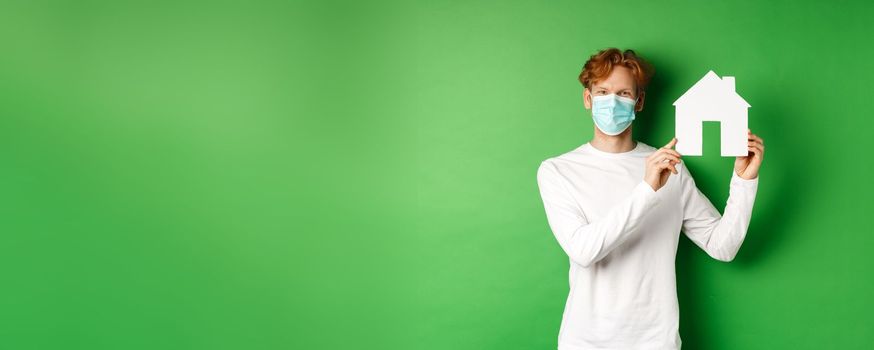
[546, 167]
[645, 148]
[554, 162]
[550, 171]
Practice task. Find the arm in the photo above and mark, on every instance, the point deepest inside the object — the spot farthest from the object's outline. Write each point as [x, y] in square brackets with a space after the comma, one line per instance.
[718, 235]
[588, 242]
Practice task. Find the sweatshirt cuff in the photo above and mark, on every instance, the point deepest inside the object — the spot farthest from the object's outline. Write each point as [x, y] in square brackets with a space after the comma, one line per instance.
[739, 181]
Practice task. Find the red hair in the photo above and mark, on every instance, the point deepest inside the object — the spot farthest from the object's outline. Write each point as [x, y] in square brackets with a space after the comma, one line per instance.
[600, 65]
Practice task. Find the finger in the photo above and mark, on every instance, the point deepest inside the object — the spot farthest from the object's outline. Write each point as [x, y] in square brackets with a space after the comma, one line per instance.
[672, 143]
[662, 157]
[669, 157]
[757, 150]
[756, 138]
[657, 156]
[759, 145]
[673, 152]
[760, 149]
[668, 151]
[755, 143]
[753, 153]
[668, 166]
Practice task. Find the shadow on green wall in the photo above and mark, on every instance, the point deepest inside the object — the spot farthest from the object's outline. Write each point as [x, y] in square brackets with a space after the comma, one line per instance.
[779, 195]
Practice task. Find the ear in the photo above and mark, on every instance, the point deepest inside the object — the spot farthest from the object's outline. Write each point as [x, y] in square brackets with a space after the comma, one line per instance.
[587, 98]
[639, 106]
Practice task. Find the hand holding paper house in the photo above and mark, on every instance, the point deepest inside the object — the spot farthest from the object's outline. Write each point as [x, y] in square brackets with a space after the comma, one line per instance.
[712, 99]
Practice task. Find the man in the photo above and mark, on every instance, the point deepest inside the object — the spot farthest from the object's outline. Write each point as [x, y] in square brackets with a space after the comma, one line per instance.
[617, 207]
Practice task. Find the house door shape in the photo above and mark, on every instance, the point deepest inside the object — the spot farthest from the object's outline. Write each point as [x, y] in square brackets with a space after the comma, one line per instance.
[712, 99]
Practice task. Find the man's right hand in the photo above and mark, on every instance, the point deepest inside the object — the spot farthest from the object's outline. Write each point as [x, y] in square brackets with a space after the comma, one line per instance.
[660, 164]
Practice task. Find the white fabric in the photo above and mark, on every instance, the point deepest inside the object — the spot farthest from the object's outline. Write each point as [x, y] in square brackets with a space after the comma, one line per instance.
[621, 239]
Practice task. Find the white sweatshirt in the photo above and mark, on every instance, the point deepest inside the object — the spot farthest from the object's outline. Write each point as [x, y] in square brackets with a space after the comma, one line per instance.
[621, 238]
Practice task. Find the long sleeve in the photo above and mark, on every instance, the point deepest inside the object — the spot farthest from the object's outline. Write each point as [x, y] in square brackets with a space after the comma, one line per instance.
[588, 242]
[719, 235]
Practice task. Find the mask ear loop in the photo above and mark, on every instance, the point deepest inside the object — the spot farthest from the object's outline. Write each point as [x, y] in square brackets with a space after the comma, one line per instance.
[636, 100]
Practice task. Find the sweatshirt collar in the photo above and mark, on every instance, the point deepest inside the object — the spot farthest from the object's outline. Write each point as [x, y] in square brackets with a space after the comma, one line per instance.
[591, 149]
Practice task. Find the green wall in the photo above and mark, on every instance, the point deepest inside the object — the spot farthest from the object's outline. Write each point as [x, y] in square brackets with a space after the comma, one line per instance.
[326, 175]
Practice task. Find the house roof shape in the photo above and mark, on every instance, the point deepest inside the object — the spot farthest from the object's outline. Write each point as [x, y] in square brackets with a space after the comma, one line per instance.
[711, 90]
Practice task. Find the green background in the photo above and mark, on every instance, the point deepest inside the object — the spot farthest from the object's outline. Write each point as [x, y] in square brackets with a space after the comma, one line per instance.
[326, 175]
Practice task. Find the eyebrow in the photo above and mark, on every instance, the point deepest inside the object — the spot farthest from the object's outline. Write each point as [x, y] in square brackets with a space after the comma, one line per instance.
[603, 88]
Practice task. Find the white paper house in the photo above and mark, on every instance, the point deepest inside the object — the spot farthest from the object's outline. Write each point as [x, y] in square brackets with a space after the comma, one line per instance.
[712, 99]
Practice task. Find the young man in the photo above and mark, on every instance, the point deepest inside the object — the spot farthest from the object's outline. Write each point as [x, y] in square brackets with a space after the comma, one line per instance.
[617, 207]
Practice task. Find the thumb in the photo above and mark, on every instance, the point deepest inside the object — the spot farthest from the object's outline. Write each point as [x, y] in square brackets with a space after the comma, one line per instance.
[672, 143]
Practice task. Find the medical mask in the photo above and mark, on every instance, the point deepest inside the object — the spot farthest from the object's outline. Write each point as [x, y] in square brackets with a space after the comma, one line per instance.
[612, 114]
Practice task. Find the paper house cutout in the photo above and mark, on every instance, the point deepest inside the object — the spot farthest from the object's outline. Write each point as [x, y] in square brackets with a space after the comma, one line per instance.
[712, 99]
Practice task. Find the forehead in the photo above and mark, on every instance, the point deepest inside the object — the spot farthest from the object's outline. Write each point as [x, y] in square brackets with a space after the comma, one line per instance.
[619, 78]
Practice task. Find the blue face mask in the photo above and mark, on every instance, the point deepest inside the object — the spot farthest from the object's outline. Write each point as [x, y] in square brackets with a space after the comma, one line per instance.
[612, 114]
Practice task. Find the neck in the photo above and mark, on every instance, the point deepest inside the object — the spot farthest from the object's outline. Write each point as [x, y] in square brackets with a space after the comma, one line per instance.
[613, 144]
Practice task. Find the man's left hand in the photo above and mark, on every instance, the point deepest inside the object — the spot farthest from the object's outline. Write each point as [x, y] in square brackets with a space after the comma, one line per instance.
[747, 167]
